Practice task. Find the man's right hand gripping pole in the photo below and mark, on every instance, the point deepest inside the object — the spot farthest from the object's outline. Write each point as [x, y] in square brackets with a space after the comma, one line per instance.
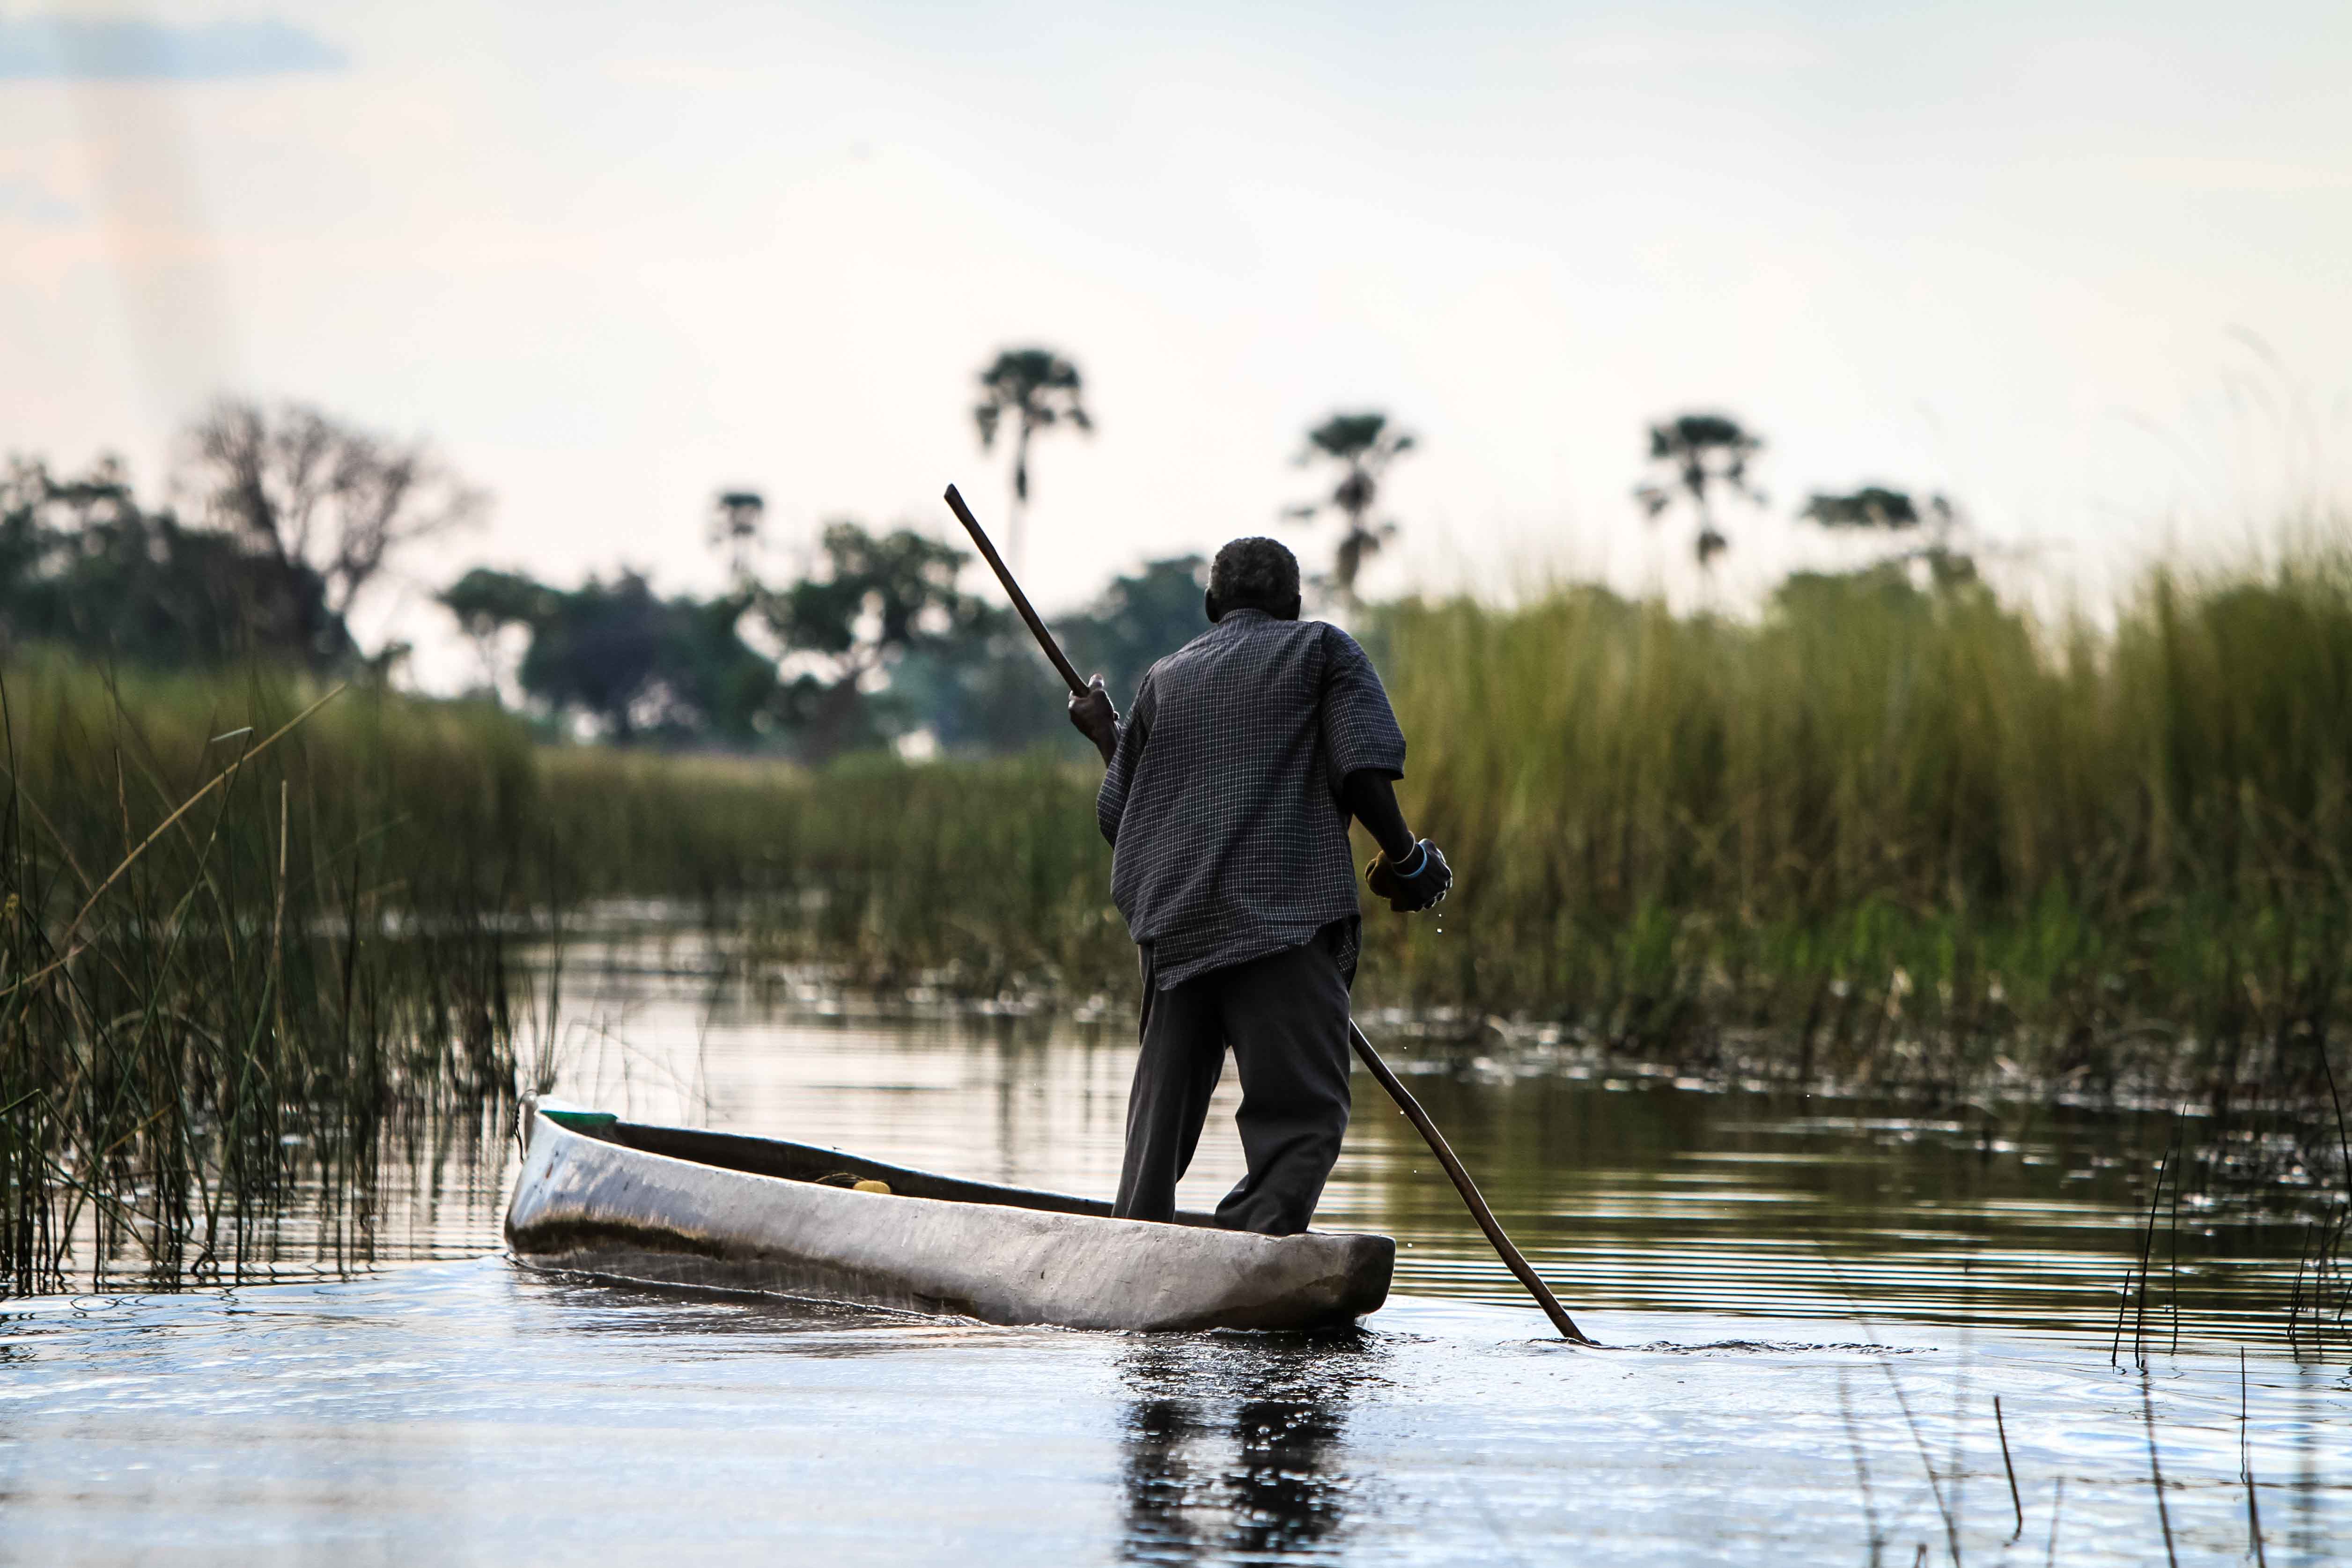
[1092, 713]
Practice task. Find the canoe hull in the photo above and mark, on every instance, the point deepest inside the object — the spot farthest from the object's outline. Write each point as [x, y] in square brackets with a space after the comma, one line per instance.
[599, 1205]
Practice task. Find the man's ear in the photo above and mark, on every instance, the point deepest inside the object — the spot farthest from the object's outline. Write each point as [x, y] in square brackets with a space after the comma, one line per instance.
[1211, 608]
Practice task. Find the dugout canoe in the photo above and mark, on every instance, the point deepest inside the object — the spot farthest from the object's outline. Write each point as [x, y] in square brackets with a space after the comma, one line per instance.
[680, 1206]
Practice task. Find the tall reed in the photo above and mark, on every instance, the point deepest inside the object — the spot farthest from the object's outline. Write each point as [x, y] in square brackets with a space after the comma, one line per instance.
[974, 877]
[1881, 811]
[1876, 831]
[232, 965]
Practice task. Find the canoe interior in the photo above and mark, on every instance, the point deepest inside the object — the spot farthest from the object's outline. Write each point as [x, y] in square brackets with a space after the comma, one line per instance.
[803, 1162]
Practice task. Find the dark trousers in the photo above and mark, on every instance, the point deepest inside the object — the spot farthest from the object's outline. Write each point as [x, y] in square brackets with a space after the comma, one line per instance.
[1285, 1018]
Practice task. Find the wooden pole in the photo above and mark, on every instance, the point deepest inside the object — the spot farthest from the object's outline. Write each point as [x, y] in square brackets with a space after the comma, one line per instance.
[1512, 1258]
[1013, 591]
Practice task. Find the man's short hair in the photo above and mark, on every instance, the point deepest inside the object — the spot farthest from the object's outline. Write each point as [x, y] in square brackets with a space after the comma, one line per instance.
[1255, 573]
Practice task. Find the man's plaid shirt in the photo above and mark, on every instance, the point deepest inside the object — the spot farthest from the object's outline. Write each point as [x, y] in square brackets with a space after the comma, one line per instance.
[1222, 802]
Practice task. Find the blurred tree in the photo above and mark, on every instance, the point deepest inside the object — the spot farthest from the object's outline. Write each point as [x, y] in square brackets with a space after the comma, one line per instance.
[298, 487]
[1138, 619]
[878, 599]
[82, 563]
[1872, 507]
[738, 524]
[1699, 451]
[487, 604]
[637, 666]
[986, 688]
[1364, 446]
[679, 670]
[1038, 389]
[1876, 508]
[982, 688]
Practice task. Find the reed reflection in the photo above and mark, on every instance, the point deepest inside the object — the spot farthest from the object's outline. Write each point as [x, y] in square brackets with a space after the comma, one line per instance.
[1237, 1447]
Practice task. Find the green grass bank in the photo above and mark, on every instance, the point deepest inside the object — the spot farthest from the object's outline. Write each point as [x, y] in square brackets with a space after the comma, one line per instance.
[235, 966]
[1885, 828]
[1876, 831]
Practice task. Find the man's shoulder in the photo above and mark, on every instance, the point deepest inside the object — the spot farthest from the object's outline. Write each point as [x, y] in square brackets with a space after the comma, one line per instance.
[1160, 668]
[1336, 652]
[1339, 640]
[1249, 641]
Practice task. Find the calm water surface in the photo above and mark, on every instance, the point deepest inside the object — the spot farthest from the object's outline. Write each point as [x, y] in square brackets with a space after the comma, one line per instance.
[1811, 1306]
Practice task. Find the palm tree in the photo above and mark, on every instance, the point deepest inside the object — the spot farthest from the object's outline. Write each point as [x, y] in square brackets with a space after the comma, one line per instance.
[1364, 446]
[1699, 450]
[738, 519]
[1039, 389]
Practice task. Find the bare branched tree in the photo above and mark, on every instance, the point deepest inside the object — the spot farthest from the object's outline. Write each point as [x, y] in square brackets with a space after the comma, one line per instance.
[295, 483]
[1363, 445]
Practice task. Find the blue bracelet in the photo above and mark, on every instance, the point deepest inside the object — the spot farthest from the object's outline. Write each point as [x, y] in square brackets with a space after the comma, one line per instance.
[1420, 864]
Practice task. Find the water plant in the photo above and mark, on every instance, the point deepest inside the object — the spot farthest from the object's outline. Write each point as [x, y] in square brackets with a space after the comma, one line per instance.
[228, 978]
[1902, 828]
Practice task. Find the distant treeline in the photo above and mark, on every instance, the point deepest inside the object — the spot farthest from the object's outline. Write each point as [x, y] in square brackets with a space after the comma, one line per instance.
[1892, 827]
[877, 644]
[288, 516]
[283, 517]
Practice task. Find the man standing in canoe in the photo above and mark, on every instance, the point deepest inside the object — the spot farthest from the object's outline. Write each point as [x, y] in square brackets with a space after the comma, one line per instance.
[1226, 802]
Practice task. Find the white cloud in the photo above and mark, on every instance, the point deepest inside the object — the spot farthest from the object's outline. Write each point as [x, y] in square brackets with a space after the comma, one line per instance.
[1686, 50]
[2238, 174]
[73, 48]
[28, 201]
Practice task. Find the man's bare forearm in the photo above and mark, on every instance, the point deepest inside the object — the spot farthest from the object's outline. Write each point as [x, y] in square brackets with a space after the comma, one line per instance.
[1371, 798]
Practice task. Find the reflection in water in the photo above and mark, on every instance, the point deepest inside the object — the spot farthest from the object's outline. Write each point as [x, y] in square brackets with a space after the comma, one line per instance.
[1628, 1192]
[472, 1413]
[1235, 1446]
[595, 1306]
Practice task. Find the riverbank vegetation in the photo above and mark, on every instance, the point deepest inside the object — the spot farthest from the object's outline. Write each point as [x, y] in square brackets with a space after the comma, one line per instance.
[1888, 815]
[1883, 823]
[262, 917]
[1890, 830]
[252, 939]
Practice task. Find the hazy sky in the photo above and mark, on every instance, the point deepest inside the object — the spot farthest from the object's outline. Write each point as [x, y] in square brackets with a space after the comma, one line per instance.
[613, 257]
